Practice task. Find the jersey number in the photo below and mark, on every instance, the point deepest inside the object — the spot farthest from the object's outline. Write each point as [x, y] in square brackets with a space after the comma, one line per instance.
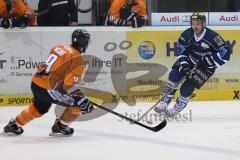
[52, 58]
[50, 61]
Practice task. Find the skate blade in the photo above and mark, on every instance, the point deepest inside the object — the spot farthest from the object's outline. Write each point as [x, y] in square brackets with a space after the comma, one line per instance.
[9, 134]
[159, 110]
[54, 134]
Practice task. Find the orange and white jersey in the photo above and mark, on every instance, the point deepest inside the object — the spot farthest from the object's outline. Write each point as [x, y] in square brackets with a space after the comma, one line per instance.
[18, 9]
[64, 66]
[139, 9]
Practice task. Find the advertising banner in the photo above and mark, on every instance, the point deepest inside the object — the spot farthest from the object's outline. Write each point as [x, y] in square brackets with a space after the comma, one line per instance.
[224, 18]
[122, 64]
[172, 19]
[183, 19]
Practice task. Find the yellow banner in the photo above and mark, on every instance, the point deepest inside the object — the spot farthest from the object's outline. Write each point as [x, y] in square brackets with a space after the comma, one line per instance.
[15, 100]
[161, 47]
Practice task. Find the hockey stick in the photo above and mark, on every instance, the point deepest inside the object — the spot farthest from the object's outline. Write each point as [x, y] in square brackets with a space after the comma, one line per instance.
[140, 118]
[154, 129]
[186, 76]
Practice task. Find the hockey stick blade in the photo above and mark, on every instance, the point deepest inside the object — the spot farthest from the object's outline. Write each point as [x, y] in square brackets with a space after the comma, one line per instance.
[154, 129]
[159, 127]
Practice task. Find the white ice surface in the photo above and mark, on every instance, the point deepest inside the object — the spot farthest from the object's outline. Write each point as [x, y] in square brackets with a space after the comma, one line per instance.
[213, 133]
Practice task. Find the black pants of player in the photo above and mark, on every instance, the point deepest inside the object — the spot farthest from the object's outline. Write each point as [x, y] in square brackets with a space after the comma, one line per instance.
[41, 99]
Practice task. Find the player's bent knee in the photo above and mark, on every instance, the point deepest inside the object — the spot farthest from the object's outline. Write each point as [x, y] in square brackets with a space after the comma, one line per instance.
[75, 110]
[175, 76]
[41, 108]
[34, 111]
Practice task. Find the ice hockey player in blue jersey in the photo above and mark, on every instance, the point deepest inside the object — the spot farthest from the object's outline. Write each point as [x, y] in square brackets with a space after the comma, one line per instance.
[200, 52]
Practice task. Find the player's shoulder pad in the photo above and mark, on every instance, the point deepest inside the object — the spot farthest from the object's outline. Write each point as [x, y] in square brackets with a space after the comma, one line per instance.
[214, 38]
[59, 46]
[186, 35]
[57, 49]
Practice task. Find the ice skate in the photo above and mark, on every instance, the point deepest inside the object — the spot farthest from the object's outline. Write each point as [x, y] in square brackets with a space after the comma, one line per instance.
[12, 129]
[181, 103]
[168, 93]
[160, 107]
[58, 129]
[163, 104]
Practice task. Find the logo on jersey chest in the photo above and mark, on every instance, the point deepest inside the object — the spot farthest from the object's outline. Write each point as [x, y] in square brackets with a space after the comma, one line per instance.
[204, 45]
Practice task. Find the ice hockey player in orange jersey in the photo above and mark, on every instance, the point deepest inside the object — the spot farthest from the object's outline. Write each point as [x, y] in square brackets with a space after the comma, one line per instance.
[52, 84]
[127, 13]
[14, 13]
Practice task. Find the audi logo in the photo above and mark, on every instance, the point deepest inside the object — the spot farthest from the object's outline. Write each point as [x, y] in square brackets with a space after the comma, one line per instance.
[186, 18]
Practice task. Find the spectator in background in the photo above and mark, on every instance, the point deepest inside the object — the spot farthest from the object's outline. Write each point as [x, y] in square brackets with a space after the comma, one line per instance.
[127, 13]
[237, 4]
[14, 13]
[57, 13]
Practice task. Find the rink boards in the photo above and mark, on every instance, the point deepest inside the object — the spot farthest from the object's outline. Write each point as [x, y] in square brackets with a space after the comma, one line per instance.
[123, 64]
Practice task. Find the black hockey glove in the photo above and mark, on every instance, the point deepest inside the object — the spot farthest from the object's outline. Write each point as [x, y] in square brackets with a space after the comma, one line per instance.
[184, 68]
[138, 21]
[83, 103]
[23, 21]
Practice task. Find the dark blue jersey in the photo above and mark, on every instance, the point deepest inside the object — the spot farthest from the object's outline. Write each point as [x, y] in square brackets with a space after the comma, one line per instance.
[209, 49]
